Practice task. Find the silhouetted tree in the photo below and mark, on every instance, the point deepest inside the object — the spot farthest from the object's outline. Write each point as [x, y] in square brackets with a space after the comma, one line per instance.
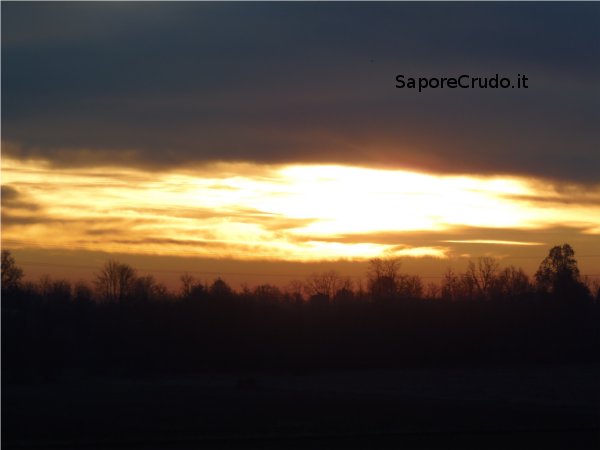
[294, 291]
[160, 292]
[383, 277]
[268, 293]
[220, 289]
[82, 293]
[482, 275]
[60, 291]
[409, 286]
[143, 289]
[593, 286]
[450, 288]
[360, 293]
[187, 282]
[115, 281]
[345, 292]
[56, 291]
[432, 290]
[318, 299]
[512, 282]
[11, 273]
[44, 285]
[324, 284]
[558, 274]
[459, 286]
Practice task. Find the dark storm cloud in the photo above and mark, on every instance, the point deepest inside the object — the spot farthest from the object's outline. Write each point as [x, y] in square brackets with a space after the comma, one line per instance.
[174, 84]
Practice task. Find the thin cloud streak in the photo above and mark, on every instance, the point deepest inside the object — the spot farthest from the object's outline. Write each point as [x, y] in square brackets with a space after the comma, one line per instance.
[491, 241]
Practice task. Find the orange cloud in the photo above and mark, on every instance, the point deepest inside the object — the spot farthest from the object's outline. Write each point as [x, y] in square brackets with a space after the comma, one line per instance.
[287, 212]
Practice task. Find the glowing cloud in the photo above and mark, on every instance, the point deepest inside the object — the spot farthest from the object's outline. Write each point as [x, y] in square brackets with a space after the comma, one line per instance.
[290, 212]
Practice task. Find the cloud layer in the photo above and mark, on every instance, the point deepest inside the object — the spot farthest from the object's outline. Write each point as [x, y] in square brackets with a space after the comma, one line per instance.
[301, 213]
[173, 85]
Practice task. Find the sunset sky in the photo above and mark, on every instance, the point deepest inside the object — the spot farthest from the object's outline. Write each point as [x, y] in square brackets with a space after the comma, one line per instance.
[264, 141]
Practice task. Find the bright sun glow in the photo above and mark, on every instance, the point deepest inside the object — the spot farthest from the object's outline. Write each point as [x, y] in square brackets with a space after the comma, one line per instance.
[294, 212]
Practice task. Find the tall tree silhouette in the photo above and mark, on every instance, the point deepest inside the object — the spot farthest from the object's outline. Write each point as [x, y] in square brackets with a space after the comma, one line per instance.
[558, 274]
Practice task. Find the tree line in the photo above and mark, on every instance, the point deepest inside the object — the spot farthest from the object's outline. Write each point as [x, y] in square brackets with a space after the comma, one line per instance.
[128, 324]
[558, 276]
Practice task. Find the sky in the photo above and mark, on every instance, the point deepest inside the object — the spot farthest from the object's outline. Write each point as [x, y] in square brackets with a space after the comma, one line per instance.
[269, 139]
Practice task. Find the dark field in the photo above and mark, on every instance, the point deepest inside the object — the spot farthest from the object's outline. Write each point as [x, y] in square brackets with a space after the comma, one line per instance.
[215, 368]
[525, 407]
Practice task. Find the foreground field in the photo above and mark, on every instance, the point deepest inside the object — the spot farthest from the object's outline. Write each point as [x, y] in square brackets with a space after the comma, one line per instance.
[545, 407]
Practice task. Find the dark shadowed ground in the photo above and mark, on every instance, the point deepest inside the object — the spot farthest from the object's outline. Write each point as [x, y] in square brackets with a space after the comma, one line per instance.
[494, 407]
